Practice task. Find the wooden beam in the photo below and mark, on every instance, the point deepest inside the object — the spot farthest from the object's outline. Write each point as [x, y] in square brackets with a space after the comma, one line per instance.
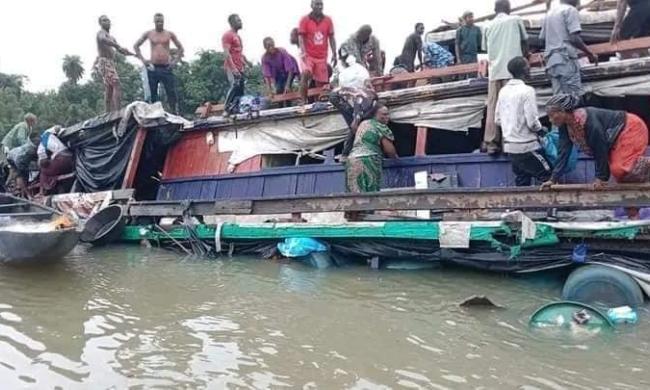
[573, 197]
[134, 160]
[421, 142]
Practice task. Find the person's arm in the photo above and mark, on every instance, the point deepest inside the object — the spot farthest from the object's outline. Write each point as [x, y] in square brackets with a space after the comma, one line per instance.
[457, 46]
[577, 42]
[525, 50]
[621, 8]
[332, 40]
[389, 148]
[419, 47]
[377, 56]
[572, 20]
[497, 112]
[136, 47]
[179, 46]
[107, 40]
[531, 113]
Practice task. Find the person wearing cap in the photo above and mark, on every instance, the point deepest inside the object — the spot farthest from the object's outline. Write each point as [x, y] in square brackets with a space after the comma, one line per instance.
[468, 40]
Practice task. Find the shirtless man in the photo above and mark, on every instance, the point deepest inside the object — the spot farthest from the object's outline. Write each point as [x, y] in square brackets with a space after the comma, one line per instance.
[105, 64]
[159, 68]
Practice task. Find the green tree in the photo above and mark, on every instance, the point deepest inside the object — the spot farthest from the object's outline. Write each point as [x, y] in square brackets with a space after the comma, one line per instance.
[73, 68]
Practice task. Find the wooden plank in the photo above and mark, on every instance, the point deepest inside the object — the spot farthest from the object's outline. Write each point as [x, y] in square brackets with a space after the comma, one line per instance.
[134, 160]
[177, 209]
[521, 198]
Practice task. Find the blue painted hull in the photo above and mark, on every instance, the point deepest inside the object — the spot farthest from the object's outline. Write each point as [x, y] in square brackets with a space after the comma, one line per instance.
[472, 170]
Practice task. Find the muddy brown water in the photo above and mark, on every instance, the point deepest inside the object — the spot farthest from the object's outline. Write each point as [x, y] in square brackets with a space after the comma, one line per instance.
[131, 317]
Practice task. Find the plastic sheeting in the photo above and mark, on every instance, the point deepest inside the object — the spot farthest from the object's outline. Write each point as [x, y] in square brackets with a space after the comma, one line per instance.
[304, 135]
[102, 146]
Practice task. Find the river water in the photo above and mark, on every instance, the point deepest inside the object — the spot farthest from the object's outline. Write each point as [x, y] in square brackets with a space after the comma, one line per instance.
[141, 318]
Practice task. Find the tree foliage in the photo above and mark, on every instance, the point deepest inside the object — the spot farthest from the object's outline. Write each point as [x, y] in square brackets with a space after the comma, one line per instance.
[200, 80]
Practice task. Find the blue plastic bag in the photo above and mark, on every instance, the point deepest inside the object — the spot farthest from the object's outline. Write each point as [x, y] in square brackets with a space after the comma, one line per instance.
[300, 247]
[551, 144]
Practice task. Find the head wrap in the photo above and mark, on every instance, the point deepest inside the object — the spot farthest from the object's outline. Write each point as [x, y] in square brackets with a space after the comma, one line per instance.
[563, 102]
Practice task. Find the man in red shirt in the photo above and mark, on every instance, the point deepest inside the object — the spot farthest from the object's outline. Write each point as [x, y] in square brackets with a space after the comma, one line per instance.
[315, 31]
[235, 63]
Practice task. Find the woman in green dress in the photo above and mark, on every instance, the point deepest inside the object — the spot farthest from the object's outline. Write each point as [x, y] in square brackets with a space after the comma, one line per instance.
[373, 139]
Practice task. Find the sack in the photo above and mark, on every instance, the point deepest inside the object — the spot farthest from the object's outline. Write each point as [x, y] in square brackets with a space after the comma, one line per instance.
[551, 144]
[251, 103]
[300, 247]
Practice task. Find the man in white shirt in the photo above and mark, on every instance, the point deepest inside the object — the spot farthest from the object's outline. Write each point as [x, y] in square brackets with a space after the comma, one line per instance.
[504, 39]
[516, 113]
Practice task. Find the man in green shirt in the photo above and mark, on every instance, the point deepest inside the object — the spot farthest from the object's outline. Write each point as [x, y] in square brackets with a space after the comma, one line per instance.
[468, 40]
[19, 134]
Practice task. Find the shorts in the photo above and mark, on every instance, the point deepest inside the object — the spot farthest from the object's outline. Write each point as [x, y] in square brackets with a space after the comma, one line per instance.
[317, 67]
[106, 69]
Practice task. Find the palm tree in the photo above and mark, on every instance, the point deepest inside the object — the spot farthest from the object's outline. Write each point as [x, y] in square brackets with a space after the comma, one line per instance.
[73, 68]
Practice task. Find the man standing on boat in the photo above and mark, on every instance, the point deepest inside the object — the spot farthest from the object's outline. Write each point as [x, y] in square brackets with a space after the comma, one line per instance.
[468, 40]
[160, 67]
[105, 64]
[315, 35]
[413, 48]
[561, 34]
[516, 113]
[365, 47]
[235, 63]
[504, 39]
[632, 23]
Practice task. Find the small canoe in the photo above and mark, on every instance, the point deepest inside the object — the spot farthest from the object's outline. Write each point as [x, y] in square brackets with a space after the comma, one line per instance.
[31, 233]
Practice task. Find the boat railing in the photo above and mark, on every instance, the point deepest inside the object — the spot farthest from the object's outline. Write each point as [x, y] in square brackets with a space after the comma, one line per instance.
[427, 76]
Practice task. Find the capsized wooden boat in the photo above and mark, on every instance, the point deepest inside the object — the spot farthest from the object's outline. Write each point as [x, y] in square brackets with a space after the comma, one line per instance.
[31, 233]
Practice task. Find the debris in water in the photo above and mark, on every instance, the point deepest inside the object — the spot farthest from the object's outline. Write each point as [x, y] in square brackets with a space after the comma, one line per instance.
[480, 302]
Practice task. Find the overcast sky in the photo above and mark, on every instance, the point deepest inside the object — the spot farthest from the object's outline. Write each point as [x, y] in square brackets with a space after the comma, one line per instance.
[36, 34]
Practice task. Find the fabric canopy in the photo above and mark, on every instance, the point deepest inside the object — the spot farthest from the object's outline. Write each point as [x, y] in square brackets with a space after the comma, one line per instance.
[305, 135]
[317, 133]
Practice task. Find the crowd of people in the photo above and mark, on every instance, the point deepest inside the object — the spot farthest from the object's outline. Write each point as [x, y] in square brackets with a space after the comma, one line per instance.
[617, 140]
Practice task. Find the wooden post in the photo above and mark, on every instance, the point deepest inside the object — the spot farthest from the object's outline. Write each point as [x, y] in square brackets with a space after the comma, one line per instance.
[421, 141]
[134, 159]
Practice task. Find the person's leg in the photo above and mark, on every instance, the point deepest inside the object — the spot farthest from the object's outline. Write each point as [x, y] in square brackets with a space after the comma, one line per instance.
[230, 96]
[108, 97]
[154, 79]
[169, 82]
[522, 179]
[531, 165]
[116, 98]
[492, 136]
